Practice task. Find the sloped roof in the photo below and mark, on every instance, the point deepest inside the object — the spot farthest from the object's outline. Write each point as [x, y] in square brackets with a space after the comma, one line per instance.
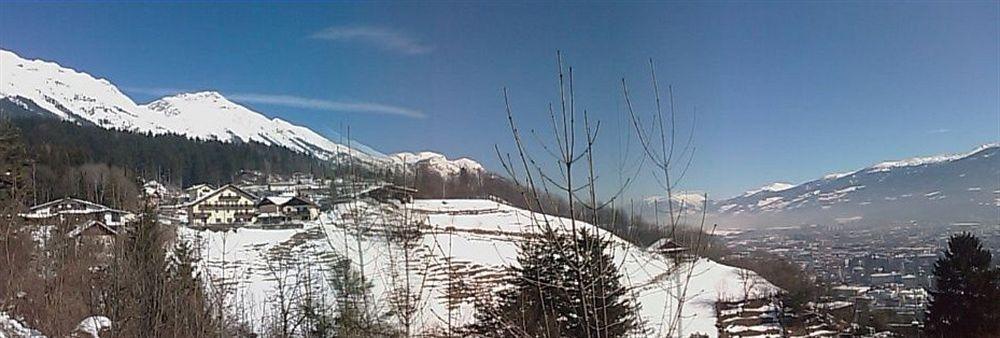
[198, 186]
[79, 229]
[666, 245]
[95, 206]
[285, 200]
[221, 189]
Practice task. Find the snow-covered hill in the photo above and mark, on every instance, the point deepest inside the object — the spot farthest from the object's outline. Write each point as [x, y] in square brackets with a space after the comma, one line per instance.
[462, 248]
[930, 190]
[48, 89]
[437, 163]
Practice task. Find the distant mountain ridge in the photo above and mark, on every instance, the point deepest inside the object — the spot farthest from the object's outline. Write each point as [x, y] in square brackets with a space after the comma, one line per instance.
[943, 189]
[438, 163]
[48, 89]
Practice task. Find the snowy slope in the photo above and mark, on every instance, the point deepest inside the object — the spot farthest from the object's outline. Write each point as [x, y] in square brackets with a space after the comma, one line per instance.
[928, 190]
[79, 97]
[437, 163]
[69, 94]
[466, 242]
[209, 115]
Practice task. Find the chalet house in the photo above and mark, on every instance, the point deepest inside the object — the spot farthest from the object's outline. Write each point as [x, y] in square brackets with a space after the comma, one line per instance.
[227, 205]
[198, 191]
[666, 246]
[91, 229]
[283, 209]
[76, 211]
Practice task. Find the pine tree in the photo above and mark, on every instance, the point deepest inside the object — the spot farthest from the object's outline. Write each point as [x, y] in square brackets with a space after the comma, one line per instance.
[966, 296]
[13, 164]
[544, 298]
[611, 312]
[526, 307]
[354, 316]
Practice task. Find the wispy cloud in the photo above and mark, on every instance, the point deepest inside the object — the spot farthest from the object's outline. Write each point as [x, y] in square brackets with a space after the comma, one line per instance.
[294, 102]
[380, 37]
[328, 105]
[939, 131]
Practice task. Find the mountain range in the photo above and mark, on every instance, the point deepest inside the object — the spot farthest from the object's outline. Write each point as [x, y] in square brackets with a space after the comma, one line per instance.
[43, 88]
[935, 190]
[962, 188]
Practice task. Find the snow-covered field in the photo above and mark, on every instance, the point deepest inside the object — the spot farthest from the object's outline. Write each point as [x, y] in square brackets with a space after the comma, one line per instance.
[466, 242]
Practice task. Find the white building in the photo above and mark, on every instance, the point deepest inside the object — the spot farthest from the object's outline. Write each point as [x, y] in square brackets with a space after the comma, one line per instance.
[228, 205]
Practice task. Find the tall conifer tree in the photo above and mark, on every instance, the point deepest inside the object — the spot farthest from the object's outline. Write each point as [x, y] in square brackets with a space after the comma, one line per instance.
[966, 295]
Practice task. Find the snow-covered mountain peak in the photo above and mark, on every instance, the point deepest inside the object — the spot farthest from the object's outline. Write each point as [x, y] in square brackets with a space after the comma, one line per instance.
[203, 100]
[438, 162]
[208, 94]
[81, 98]
[773, 187]
[918, 161]
[68, 94]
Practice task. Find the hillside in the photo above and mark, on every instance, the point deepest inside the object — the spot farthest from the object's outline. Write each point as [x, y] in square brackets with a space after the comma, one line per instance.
[462, 247]
[103, 165]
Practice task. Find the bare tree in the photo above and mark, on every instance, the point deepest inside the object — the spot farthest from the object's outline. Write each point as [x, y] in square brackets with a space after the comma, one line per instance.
[575, 174]
[659, 144]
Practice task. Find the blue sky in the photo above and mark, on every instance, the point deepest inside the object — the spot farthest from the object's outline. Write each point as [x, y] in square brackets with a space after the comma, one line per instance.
[784, 91]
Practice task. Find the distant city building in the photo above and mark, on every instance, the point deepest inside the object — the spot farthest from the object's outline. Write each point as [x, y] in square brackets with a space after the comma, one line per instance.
[885, 278]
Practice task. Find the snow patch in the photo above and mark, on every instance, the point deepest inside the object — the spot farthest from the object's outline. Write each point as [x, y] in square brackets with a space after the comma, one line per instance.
[773, 187]
[11, 327]
[93, 325]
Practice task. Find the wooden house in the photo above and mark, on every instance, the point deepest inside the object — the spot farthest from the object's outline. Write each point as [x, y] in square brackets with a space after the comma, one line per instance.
[666, 246]
[91, 229]
[70, 210]
[283, 209]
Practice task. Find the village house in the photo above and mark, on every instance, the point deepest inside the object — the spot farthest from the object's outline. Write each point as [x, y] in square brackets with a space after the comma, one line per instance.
[69, 210]
[91, 229]
[228, 205]
[666, 246]
[284, 209]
